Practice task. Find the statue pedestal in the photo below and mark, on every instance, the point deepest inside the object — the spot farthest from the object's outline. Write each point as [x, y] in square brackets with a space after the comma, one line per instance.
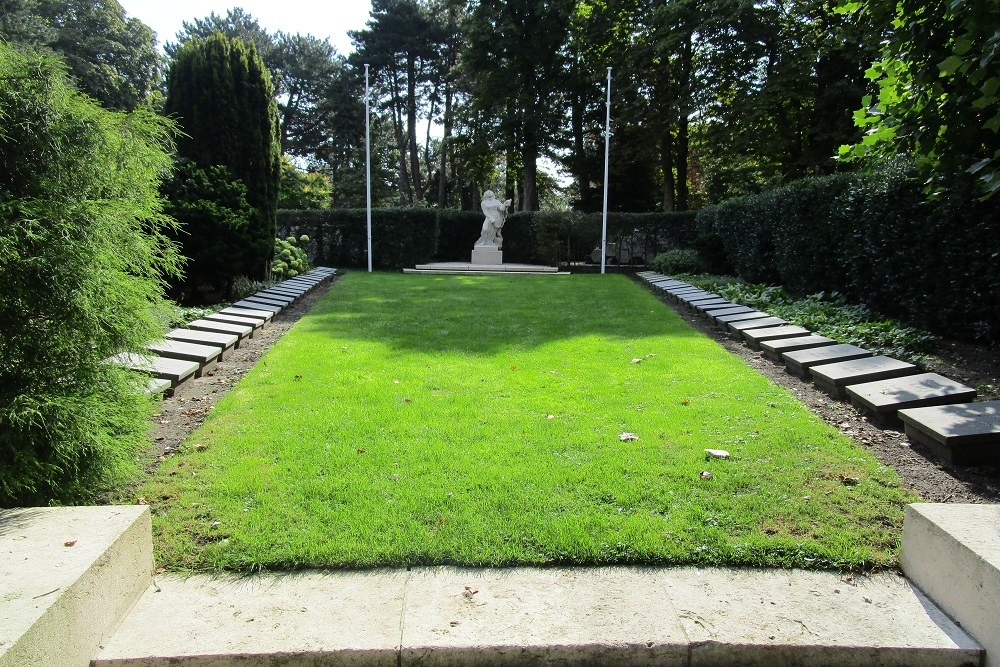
[489, 256]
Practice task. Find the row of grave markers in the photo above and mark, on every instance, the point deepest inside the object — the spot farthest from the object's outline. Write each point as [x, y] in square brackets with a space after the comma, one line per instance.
[191, 351]
[935, 411]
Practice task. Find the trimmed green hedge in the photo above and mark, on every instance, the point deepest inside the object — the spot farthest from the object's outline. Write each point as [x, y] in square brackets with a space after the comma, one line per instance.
[875, 239]
[405, 237]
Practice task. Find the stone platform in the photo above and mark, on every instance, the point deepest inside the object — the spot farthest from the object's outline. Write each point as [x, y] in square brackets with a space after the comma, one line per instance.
[470, 269]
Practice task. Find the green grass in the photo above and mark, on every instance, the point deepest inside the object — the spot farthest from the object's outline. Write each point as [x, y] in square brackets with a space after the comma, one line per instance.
[476, 420]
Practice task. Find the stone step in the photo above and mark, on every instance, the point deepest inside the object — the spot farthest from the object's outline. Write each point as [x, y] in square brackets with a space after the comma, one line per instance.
[701, 304]
[965, 434]
[724, 320]
[539, 616]
[68, 576]
[484, 270]
[952, 553]
[459, 268]
[799, 362]
[290, 292]
[773, 349]
[835, 377]
[754, 337]
[705, 297]
[737, 327]
[177, 371]
[883, 398]
[668, 284]
[206, 356]
[241, 330]
[225, 341]
[264, 316]
[232, 319]
[686, 291]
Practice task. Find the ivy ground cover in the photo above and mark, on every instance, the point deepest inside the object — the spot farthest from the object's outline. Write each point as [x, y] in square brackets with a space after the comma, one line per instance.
[486, 420]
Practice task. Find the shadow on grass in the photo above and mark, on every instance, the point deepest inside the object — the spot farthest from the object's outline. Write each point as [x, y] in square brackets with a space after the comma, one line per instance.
[481, 315]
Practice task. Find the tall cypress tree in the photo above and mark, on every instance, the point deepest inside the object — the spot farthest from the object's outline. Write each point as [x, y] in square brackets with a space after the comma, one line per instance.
[220, 94]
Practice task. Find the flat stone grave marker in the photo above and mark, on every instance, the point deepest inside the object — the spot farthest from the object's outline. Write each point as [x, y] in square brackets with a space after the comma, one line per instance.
[833, 378]
[965, 434]
[224, 341]
[206, 356]
[754, 337]
[177, 371]
[740, 317]
[800, 361]
[737, 327]
[773, 349]
[231, 319]
[158, 387]
[719, 311]
[254, 313]
[883, 398]
[257, 304]
[241, 330]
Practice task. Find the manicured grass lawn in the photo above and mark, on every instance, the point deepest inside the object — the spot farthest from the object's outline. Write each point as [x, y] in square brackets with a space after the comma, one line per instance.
[476, 420]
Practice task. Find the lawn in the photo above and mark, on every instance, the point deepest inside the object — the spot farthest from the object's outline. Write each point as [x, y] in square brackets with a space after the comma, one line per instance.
[478, 420]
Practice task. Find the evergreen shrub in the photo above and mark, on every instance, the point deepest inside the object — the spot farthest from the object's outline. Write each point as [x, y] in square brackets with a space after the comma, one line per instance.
[84, 251]
[678, 260]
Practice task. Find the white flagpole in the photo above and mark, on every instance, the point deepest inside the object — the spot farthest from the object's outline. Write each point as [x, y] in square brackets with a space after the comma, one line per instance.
[607, 147]
[368, 166]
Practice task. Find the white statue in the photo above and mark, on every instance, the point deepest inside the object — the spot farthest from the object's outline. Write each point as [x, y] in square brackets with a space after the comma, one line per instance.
[496, 214]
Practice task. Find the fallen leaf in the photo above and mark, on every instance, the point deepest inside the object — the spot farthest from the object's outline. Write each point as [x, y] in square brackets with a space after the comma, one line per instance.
[717, 453]
[513, 368]
[636, 361]
[198, 447]
[848, 480]
[407, 400]
[362, 451]
[395, 381]
[550, 416]
[298, 377]
[706, 475]
[140, 501]
[685, 402]
[69, 544]
[628, 437]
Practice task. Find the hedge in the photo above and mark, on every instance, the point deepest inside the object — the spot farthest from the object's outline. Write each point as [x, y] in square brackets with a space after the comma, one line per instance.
[877, 240]
[405, 237]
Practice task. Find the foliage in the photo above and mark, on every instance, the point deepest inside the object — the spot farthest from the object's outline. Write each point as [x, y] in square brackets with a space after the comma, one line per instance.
[213, 215]
[938, 89]
[394, 426]
[678, 260]
[302, 189]
[289, 259]
[110, 57]
[84, 252]
[220, 93]
[876, 239]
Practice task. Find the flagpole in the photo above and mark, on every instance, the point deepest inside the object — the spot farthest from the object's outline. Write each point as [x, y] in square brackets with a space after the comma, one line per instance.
[368, 166]
[607, 148]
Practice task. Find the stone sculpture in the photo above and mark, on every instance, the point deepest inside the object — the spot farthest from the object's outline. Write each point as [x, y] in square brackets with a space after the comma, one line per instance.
[496, 214]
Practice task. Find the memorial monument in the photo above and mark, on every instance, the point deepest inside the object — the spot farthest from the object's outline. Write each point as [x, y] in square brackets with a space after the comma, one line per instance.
[489, 248]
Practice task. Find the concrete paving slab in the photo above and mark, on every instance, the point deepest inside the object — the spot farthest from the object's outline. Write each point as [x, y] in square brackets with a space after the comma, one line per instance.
[737, 327]
[231, 319]
[773, 349]
[68, 575]
[708, 303]
[833, 378]
[722, 311]
[224, 341]
[724, 320]
[706, 296]
[177, 371]
[532, 616]
[206, 356]
[884, 398]
[241, 330]
[952, 552]
[800, 361]
[965, 434]
[158, 387]
[754, 337]
[287, 292]
[313, 618]
[794, 617]
[264, 316]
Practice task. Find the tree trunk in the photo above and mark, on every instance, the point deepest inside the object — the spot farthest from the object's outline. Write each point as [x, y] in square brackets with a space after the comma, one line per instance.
[682, 127]
[667, 164]
[397, 126]
[411, 126]
[581, 168]
[530, 166]
[442, 176]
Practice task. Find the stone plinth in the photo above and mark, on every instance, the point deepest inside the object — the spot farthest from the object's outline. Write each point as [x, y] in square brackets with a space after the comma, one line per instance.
[488, 256]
